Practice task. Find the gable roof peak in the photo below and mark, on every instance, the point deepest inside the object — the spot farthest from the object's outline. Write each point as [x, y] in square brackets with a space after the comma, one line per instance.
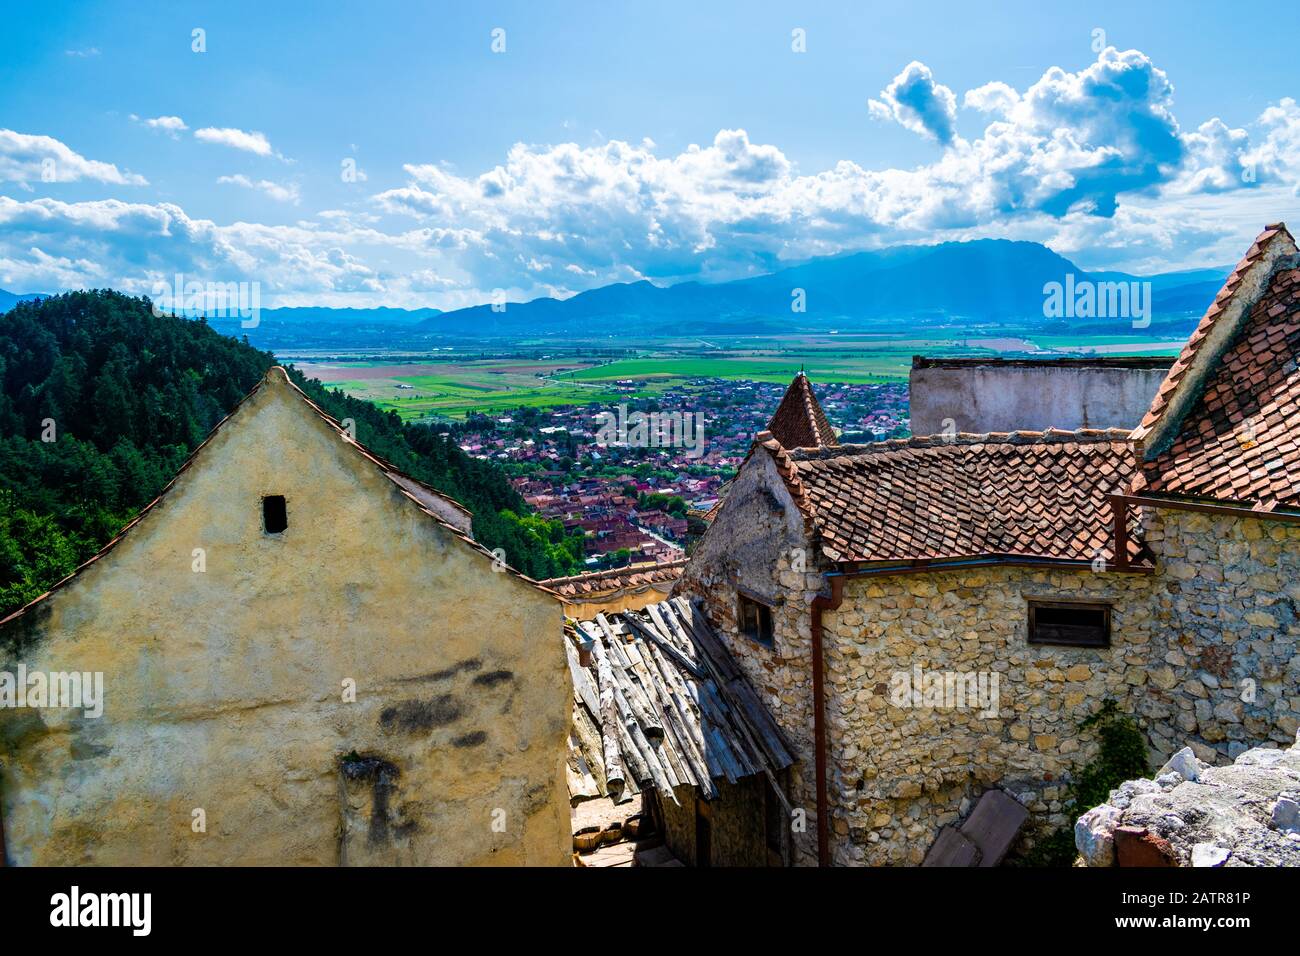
[277, 375]
[799, 421]
[412, 489]
[1216, 332]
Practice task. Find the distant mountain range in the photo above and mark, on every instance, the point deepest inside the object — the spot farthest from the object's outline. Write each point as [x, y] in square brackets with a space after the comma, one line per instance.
[10, 299]
[980, 283]
[969, 287]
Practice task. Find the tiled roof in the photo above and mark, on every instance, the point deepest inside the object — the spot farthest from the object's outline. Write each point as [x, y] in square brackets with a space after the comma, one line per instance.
[1020, 494]
[1238, 441]
[799, 421]
[618, 579]
[1216, 329]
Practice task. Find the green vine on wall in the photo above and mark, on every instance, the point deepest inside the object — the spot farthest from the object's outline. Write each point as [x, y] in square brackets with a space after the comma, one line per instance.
[1121, 755]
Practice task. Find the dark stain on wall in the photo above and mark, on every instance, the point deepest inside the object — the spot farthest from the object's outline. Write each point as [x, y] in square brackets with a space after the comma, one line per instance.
[26, 630]
[382, 776]
[414, 716]
[470, 740]
[469, 664]
[492, 678]
[84, 750]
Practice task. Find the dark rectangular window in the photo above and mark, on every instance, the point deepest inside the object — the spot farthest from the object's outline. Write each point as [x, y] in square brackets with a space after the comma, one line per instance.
[756, 621]
[275, 516]
[1073, 623]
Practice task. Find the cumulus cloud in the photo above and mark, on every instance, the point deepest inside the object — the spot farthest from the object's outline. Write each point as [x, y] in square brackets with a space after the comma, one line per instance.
[171, 125]
[27, 159]
[281, 192]
[917, 102]
[1056, 159]
[1093, 163]
[995, 97]
[249, 141]
[1277, 156]
[48, 245]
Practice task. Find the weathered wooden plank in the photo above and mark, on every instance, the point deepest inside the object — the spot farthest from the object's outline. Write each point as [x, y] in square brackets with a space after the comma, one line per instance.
[951, 849]
[994, 824]
[611, 751]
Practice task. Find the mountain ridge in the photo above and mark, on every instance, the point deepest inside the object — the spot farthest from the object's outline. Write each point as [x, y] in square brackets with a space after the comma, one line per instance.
[984, 280]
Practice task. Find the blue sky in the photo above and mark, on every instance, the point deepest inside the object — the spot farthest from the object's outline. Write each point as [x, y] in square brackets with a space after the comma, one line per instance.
[617, 141]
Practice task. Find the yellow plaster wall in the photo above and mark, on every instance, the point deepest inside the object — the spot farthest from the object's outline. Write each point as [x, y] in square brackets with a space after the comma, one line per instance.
[224, 689]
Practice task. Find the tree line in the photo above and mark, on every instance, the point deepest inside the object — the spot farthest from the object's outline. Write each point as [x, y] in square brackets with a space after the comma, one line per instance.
[101, 402]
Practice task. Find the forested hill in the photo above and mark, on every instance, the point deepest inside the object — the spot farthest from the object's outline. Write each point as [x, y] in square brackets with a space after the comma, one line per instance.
[129, 395]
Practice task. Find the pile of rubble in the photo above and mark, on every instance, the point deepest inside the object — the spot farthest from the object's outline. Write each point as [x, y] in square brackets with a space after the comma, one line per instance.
[1193, 814]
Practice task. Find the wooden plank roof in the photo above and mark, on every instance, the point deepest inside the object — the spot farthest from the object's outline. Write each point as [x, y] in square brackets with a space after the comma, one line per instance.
[664, 705]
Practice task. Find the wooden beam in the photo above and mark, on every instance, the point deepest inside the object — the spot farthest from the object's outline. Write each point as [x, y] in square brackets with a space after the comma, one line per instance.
[1119, 516]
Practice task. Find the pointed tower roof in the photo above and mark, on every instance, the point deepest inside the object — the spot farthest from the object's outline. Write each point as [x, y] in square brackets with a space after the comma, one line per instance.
[799, 421]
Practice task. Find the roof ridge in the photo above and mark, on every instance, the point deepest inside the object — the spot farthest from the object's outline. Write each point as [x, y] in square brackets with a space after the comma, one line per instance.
[1050, 436]
[275, 375]
[614, 572]
[382, 462]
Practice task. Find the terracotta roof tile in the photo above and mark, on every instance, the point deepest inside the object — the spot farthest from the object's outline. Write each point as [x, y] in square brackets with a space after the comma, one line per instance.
[617, 579]
[1237, 442]
[1029, 494]
[799, 421]
[1160, 405]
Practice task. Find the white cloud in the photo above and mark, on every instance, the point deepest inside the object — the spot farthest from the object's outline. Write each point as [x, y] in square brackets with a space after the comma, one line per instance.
[83, 53]
[995, 97]
[173, 126]
[30, 159]
[1093, 163]
[917, 102]
[1056, 162]
[48, 245]
[249, 141]
[281, 192]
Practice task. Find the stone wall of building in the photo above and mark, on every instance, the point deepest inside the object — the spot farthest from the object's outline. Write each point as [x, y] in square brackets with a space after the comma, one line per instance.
[1203, 651]
[1002, 395]
[899, 772]
[1227, 602]
[736, 824]
[758, 542]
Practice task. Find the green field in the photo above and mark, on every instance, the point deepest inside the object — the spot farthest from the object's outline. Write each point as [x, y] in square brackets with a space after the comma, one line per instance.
[867, 366]
[448, 385]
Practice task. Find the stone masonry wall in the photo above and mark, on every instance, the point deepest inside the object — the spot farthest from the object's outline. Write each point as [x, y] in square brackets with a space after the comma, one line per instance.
[758, 542]
[899, 773]
[1227, 599]
[736, 824]
[1203, 651]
